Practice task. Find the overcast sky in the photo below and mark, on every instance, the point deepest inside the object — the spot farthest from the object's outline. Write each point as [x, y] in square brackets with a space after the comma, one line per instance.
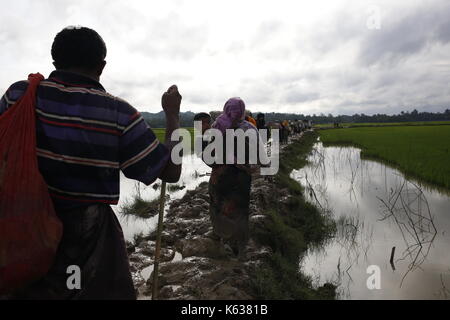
[339, 57]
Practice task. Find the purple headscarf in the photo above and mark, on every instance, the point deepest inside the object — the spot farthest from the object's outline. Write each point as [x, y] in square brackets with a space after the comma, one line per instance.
[233, 113]
[233, 118]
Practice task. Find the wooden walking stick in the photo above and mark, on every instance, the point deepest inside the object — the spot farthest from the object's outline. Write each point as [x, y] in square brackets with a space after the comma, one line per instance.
[162, 201]
[170, 98]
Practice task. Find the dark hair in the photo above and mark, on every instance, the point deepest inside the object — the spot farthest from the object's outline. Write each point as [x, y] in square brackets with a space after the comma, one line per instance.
[260, 116]
[78, 47]
[201, 115]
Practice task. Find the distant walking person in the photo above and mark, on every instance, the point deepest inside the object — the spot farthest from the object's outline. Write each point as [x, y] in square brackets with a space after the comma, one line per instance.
[249, 117]
[229, 185]
[205, 119]
[261, 125]
[284, 132]
[260, 121]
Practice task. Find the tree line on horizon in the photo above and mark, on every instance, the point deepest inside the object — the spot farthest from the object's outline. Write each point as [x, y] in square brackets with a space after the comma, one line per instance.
[157, 120]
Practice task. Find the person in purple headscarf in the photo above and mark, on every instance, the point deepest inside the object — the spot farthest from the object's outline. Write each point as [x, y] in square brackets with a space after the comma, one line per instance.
[233, 116]
[229, 185]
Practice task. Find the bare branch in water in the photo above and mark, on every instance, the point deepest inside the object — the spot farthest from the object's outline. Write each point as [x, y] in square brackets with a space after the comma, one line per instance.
[416, 226]
[392, 258]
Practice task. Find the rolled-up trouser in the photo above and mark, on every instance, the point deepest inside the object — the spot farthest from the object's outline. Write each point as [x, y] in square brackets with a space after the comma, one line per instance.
[229, 192]
[92, 243]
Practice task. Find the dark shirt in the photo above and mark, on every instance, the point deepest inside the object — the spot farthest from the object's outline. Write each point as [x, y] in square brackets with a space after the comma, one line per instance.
[85, 137]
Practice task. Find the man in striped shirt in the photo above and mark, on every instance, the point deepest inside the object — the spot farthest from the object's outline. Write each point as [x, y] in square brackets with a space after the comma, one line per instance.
[85, 137]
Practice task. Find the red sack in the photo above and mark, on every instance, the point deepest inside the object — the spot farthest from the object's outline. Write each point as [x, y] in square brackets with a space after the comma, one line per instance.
[30, 231]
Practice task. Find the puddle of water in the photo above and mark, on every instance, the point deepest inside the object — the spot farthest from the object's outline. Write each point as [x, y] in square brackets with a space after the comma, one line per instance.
[177, 257]
[194, 172]
[146, 272]
[377, 209]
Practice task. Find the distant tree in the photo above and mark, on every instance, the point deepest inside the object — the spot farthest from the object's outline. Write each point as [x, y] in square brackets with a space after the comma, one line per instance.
[157, 120]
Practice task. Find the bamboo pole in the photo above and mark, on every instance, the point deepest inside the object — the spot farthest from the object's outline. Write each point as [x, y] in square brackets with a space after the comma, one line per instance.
[162, 201]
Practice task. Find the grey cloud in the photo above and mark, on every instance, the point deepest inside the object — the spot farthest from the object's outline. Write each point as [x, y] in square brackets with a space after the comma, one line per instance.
[403, 66]
[295, 96]
[443, 30]
[197, 98]
[265, 32]
[398, 40]
[345, 26]
[170, 38]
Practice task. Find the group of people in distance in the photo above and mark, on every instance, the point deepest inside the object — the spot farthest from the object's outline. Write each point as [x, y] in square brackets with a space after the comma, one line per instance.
[288, 128]
[230, 184]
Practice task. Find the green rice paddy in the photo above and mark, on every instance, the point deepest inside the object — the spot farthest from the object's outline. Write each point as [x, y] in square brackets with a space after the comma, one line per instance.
[383, 124]
[422, 152]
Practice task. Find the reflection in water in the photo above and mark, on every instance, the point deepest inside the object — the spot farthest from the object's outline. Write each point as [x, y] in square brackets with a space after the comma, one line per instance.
[408, 207]
[377, 209]
[194, 172]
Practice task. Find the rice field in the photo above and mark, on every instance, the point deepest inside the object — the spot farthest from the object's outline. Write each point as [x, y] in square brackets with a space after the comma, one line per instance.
[161, 132]
[421, 152]
[383, 124]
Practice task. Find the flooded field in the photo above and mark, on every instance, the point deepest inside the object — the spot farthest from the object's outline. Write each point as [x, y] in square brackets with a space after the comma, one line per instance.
[194, 172]
[377, 209]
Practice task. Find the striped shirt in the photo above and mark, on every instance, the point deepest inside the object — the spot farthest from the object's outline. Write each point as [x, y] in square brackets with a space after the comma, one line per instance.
[85, 136]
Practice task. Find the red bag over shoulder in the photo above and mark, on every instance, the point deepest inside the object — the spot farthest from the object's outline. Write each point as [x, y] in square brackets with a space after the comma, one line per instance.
[30, 231]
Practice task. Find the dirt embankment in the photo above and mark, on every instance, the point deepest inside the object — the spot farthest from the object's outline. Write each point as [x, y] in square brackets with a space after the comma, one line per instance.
[196, 265]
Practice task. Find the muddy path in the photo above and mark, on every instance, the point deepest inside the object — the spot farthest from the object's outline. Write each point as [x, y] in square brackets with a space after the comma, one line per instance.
[196, 265]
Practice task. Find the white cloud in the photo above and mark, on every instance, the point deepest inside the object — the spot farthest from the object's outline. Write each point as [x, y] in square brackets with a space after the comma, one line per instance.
[308, 57]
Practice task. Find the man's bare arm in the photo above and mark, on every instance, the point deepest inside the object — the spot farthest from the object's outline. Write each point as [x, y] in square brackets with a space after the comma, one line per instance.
[171, 101]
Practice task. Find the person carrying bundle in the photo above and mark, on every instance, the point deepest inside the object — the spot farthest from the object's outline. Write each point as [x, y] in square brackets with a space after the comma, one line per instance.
[85, 137]
[229, 185]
